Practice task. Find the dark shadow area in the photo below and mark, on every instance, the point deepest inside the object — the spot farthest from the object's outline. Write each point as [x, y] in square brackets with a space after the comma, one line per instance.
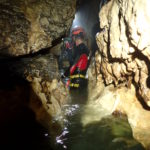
[11, 73]
[19, 129]
[23, 133]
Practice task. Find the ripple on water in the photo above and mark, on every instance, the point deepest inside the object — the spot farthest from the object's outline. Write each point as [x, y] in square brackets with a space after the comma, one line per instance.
[110, 133]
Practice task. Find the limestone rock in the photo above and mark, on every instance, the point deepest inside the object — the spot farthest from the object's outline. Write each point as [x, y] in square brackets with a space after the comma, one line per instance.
[124, 44]
[123, 61]
[46, 92]
[27, 26]
[46, 99]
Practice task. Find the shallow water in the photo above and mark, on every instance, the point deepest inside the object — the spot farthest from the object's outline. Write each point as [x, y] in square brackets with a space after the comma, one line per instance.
[20, 130]
[110, 133]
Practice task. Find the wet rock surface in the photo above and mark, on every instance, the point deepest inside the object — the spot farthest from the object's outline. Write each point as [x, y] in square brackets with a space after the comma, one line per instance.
[124, 44]
[122, 64]
[48, 93]
[45, 93]
[28, 26]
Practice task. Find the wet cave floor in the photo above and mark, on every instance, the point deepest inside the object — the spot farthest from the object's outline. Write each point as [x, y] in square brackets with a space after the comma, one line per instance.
[109, 133]
[20, 130]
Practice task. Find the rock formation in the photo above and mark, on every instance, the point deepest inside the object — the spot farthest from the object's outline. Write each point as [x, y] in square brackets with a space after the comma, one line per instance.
[27, 26]
[47, 94]
[123, 60]
[124, 44]
[33, 82]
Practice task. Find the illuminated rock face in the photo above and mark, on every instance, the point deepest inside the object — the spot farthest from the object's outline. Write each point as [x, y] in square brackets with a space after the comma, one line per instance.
[123, 60]
[26, 26]
[48, 93]
[124, 44]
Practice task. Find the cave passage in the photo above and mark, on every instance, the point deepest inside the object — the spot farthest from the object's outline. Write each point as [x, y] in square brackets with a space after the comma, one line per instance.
[18, 126]
[110, 133]
[87, 17]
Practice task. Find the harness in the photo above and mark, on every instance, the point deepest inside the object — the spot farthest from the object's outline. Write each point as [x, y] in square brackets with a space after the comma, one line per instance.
[76, 85]
[77, 76]
[78, 70]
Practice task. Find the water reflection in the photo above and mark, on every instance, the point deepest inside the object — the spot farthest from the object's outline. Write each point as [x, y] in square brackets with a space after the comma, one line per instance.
[110, 133]
[97, 136]
[69, 110]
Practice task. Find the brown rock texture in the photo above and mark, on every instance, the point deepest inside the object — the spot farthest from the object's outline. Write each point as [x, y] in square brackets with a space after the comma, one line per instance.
[48, 94]
[123, 65]
[33, 82]
[124, 54]
[27, 26]
[47, 99]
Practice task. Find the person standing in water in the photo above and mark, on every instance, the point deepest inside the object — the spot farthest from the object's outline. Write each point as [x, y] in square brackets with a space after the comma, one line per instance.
[80, 58]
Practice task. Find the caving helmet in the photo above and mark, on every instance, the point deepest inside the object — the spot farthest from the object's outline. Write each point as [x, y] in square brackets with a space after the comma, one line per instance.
[67, 43]
[78, 32]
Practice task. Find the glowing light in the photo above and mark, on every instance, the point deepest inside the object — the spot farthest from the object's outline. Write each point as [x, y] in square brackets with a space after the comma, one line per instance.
[77, 20]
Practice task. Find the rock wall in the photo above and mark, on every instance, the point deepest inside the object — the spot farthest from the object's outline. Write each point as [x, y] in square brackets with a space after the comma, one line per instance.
[34, 83]
[117, 100]
[123, 64]
[27, 26]
[47, 94]
[124, 52]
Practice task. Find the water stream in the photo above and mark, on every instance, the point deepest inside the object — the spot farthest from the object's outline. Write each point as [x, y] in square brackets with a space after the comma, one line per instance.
[109, 133]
